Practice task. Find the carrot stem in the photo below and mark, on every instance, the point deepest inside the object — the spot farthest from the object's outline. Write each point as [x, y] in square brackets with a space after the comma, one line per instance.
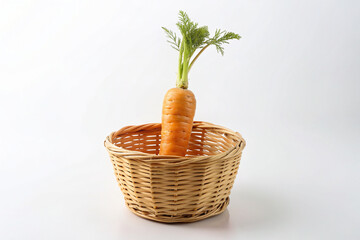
[181, 53]
[197, 55]
[182, 81]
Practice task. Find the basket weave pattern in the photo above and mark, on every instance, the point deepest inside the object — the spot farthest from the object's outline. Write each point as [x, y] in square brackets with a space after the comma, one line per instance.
[171, 188]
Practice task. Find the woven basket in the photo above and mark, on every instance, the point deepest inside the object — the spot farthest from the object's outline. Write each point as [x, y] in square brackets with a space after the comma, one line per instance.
[170, 188]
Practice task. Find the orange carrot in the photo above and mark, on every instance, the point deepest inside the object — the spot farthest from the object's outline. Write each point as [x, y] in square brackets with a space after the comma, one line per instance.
[179, 103]
[177, 120]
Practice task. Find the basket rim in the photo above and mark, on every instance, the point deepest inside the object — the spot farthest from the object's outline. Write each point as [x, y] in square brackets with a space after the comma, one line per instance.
[137, 155]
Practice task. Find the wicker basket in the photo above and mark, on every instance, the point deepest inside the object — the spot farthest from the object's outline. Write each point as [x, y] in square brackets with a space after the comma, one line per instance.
[170, 188]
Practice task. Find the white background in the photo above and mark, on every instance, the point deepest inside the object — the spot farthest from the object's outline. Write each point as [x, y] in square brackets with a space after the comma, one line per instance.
[73, 71]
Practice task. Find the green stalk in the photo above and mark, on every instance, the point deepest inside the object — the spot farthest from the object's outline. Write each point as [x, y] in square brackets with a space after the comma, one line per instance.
[184, 66]
[184, 60]
[196, 57]
[181, 53]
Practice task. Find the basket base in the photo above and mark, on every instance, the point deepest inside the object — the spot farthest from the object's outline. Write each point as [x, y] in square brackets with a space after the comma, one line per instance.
[185, 218]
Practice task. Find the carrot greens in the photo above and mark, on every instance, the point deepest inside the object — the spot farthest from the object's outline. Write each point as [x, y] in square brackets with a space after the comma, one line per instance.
[194, 38]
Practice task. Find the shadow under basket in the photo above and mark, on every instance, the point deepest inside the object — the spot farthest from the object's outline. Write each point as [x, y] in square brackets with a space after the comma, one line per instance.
[171, 188]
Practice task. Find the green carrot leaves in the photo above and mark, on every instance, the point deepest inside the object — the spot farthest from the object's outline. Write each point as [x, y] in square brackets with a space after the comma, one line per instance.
[221, 37]
[173, 39]
[194, 38]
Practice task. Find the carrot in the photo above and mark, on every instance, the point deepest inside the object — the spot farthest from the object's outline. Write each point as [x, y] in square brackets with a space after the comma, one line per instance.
[179, 103]
[177, 120]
